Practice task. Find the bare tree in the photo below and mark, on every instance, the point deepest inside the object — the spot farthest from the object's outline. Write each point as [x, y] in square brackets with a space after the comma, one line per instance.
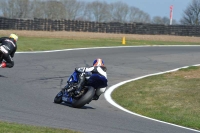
[7, 8]
[15, 8]
[145, 18]
[54, 10]
[38, 8]
[166, 20]
[22, 7]
[136, 15]
[119, 11]
[133, 14]
[73, 9]
[192, 14]
[4, 8]
[157, 20]
[97, 11]
[162, 20]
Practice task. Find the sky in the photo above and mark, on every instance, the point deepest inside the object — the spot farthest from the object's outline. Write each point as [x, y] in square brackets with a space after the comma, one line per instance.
[156, 7]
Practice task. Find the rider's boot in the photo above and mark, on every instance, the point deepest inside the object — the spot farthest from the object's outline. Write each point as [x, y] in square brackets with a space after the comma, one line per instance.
[3, 65]
[98, 92]
[95, 97]
[80, 83]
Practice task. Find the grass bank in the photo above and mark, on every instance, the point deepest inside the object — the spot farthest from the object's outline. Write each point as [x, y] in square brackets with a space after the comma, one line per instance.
[171, 97]
[41, 44]
[18, 128]
[42, 40]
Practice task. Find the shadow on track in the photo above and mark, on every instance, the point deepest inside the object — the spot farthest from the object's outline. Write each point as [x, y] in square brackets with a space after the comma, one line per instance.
[69, 105]
[2, 76]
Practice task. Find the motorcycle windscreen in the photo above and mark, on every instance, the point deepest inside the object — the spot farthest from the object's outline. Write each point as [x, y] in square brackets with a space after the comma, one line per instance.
[97, 81]
[74, 77]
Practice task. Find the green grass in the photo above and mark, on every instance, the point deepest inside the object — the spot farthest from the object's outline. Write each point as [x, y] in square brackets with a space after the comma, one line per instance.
[41, 44]
[169, 97]
[19, 128]
[190, 68]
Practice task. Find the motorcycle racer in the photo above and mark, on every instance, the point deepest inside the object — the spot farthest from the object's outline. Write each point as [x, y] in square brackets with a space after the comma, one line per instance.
[8, 48]
[98, 77]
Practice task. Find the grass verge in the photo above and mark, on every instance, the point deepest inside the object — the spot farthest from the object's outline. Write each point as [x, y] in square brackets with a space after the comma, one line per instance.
[19, 128]
[42, 43]
[171, 97]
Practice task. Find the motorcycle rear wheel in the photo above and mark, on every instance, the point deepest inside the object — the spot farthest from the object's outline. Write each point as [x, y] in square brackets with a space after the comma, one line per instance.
[86, 98]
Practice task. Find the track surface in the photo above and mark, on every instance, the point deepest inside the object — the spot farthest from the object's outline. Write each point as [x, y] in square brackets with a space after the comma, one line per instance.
[27, 91]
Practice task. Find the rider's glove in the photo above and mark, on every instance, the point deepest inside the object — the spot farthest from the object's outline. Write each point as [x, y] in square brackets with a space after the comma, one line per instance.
[80, 69]
[3, 65]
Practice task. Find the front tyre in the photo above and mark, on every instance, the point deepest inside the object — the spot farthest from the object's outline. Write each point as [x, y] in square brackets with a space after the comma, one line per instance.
[58, 98]
[86, 98]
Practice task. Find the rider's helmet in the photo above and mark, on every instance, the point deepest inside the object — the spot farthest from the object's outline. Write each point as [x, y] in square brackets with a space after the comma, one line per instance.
[14, 36]
[98, 62]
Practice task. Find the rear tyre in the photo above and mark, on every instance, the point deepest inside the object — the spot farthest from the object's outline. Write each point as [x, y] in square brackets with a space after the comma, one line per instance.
[58, 98]
[86, 98]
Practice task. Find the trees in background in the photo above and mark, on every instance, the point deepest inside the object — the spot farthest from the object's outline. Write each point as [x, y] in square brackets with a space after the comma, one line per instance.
[54, 10]
[118, 12]
[98, 11]
[74, 10]
[192, 14]
[137, 15]
[37, 9]
[162, 20]
[15, 8]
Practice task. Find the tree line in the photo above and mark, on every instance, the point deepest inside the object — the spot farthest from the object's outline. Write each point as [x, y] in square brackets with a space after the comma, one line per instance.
[191, 15]
[98, 11]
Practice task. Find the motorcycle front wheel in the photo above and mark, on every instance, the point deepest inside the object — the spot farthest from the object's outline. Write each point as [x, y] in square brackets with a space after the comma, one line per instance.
[58, 98]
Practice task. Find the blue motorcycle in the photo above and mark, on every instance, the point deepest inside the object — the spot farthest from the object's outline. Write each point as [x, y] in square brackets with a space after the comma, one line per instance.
[68, 94]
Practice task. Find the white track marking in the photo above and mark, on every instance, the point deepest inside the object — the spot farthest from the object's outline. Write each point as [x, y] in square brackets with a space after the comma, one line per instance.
[50, 51]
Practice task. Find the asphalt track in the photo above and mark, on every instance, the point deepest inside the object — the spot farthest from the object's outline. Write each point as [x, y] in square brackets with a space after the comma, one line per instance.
[27, 90]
